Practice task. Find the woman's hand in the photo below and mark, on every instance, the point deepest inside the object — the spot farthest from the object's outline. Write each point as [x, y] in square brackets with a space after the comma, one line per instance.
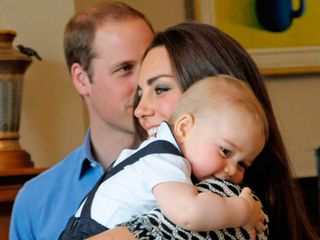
[119, 233]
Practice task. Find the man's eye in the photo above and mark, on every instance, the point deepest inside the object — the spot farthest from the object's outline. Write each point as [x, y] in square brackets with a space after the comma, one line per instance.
[242, 165]
[225, 152]
[126, 68]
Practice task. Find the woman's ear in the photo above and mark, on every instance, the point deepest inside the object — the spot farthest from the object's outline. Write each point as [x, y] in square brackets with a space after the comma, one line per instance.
[80, 79]
[182, 127]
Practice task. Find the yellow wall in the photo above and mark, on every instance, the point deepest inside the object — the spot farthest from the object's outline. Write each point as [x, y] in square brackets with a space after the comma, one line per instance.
[296, 102]
[162, 13]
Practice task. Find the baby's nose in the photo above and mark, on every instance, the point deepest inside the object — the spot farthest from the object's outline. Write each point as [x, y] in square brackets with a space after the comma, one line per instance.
[231, 169]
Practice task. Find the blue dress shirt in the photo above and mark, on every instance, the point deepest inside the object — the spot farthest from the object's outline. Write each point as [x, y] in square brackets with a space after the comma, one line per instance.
[44, 205]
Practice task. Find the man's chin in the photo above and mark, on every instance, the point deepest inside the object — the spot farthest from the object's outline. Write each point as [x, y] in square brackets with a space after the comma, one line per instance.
[129, 128]
[124, 126]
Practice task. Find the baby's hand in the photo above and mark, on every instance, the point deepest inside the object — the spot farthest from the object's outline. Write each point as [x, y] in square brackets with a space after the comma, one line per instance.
[255, 223]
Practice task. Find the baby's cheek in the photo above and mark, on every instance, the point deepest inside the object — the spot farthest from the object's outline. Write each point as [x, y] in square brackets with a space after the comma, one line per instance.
[239, 177]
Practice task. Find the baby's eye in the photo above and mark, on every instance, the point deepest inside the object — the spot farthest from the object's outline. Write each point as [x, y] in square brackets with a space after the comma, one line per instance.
[242, 165]
[161, 89]
[225, 152]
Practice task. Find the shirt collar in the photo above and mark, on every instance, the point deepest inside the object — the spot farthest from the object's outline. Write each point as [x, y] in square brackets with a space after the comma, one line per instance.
[165, 133]
[86, 158]
[88, 161]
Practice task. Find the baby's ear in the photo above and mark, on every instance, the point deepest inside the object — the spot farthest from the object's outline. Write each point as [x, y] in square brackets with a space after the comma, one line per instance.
[182, 127]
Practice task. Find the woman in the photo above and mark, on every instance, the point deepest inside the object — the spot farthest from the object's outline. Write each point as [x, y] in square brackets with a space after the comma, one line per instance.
[180, 56]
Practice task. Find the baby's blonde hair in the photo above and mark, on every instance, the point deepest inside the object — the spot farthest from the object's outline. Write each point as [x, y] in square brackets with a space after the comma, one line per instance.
[219, 93]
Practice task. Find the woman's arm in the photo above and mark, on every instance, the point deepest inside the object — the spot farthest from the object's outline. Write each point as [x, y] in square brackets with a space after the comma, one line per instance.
[191, 210]
[120, 233]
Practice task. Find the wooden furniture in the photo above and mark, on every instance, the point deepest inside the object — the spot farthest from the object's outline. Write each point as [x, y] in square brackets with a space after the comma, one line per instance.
[10, 183]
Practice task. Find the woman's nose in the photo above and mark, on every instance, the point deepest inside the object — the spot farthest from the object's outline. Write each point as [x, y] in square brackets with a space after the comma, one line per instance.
[143, 109]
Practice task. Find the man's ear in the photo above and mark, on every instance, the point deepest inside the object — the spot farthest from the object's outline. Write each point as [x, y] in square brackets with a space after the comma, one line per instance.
[80, 79]
[182, 126]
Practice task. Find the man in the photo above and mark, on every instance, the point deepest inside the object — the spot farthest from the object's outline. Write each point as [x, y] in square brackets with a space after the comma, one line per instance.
[104, 45]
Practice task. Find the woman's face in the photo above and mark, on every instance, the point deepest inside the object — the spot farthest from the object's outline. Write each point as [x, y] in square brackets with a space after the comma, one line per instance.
[158, 90]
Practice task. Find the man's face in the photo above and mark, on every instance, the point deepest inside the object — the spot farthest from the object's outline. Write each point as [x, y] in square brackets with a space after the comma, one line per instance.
[119, 47]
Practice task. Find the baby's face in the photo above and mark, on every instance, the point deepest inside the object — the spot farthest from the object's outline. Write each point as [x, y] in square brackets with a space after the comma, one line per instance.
[222, 146]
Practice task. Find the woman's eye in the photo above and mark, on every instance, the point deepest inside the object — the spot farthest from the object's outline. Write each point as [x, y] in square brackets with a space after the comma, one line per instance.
[139, 93]
[161, 89]
[242, 165]
[226, 152]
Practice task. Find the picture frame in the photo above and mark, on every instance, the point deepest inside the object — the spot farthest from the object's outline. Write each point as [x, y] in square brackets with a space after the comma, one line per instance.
[296, 50]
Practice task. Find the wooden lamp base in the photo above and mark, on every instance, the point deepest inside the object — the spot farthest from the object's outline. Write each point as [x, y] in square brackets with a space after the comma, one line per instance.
[12, 159]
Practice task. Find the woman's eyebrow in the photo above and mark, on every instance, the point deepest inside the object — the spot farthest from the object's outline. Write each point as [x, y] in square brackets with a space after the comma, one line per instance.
[150, 81]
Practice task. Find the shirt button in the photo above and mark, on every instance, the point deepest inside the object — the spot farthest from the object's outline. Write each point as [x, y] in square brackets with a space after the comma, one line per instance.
[93, 165]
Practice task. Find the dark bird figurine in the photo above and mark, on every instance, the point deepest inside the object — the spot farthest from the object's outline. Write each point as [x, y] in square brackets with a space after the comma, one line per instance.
[29, 52]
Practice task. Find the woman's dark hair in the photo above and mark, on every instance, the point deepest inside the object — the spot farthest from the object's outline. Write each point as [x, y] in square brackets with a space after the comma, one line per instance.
[198, 50]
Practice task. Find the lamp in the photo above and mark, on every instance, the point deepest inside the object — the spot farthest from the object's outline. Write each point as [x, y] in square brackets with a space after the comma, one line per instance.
[13, 65]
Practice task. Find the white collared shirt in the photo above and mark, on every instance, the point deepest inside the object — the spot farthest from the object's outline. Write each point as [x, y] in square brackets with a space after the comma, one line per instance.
[129, 192]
